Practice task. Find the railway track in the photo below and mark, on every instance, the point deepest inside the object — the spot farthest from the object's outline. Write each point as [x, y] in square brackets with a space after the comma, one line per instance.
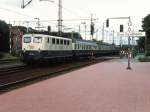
[14, 69]
[8, 61]
[15, 76]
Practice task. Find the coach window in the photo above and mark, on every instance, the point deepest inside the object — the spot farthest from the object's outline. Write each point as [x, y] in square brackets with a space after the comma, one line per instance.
[79, 46]
[61, 41]
[47, 40]
[27, 39]
[37, 40]
[88, 47]
[67, 42]
[53, 40]
[83, 46]
[57, 40]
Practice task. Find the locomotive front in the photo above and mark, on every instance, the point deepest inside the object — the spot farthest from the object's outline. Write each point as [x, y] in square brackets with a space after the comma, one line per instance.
[32, 47]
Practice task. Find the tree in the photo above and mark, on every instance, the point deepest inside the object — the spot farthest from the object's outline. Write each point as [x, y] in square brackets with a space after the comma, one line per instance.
[146, 28]
[4, 37]
[141, 44]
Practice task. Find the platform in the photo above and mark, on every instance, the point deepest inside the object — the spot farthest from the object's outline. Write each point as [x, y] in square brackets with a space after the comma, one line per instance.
[103, 87]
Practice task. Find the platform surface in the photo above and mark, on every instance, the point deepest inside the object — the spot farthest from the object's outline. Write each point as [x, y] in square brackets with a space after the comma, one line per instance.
[103, 87]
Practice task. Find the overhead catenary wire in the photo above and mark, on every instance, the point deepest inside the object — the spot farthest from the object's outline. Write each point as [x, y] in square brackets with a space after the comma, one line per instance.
[9, 10]
[77, 19]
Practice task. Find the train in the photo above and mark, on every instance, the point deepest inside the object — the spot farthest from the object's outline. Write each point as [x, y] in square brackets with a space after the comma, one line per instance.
[39, 47]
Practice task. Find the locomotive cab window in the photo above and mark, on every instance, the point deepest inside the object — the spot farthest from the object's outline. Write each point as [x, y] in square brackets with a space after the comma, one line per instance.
[37, 40]
[27, 39]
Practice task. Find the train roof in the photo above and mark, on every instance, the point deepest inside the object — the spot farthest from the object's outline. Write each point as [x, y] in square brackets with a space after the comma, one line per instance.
[43, 35]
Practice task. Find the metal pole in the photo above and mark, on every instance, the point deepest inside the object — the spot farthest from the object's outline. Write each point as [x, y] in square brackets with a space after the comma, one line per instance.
[129, 51]
[113, 37]
[103, 29]
[60, 17]
[22, 4]
[79, 29]
[85, 31]
[121, 43]
[97, 35]
[129, 54]
[132, 47]
[10, 39]
[38, 23]
[91, 26]
[145, 46]
[27, 26]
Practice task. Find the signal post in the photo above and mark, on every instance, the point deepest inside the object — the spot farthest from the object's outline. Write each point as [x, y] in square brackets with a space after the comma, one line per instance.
[121, 30]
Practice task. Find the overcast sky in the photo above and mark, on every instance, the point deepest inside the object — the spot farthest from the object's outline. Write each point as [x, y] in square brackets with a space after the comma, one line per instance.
[10, 10]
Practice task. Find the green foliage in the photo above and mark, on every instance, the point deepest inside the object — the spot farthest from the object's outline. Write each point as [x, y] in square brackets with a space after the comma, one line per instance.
[146, 28]
[4, 37]
[141, 43]
[144, 59]
[146, 23]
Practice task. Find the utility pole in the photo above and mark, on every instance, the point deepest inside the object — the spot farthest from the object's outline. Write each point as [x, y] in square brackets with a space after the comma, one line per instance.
[113, 37]
[23, 5]
[92, 27]
[10, 39]
[103, 32]
[60, 18]
[85, 31]
[27, 26]
[38, 23]
[145, 46]
[79, 29]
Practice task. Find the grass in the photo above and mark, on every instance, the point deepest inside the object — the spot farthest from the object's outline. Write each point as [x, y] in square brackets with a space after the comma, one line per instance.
[7, 56]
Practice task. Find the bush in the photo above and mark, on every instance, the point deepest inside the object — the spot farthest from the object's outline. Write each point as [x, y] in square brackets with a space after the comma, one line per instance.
[144, 59]
[148, 53]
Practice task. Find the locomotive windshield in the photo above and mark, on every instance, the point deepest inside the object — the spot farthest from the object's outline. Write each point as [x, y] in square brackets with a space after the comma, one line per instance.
[27, 39]
[37, 40]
